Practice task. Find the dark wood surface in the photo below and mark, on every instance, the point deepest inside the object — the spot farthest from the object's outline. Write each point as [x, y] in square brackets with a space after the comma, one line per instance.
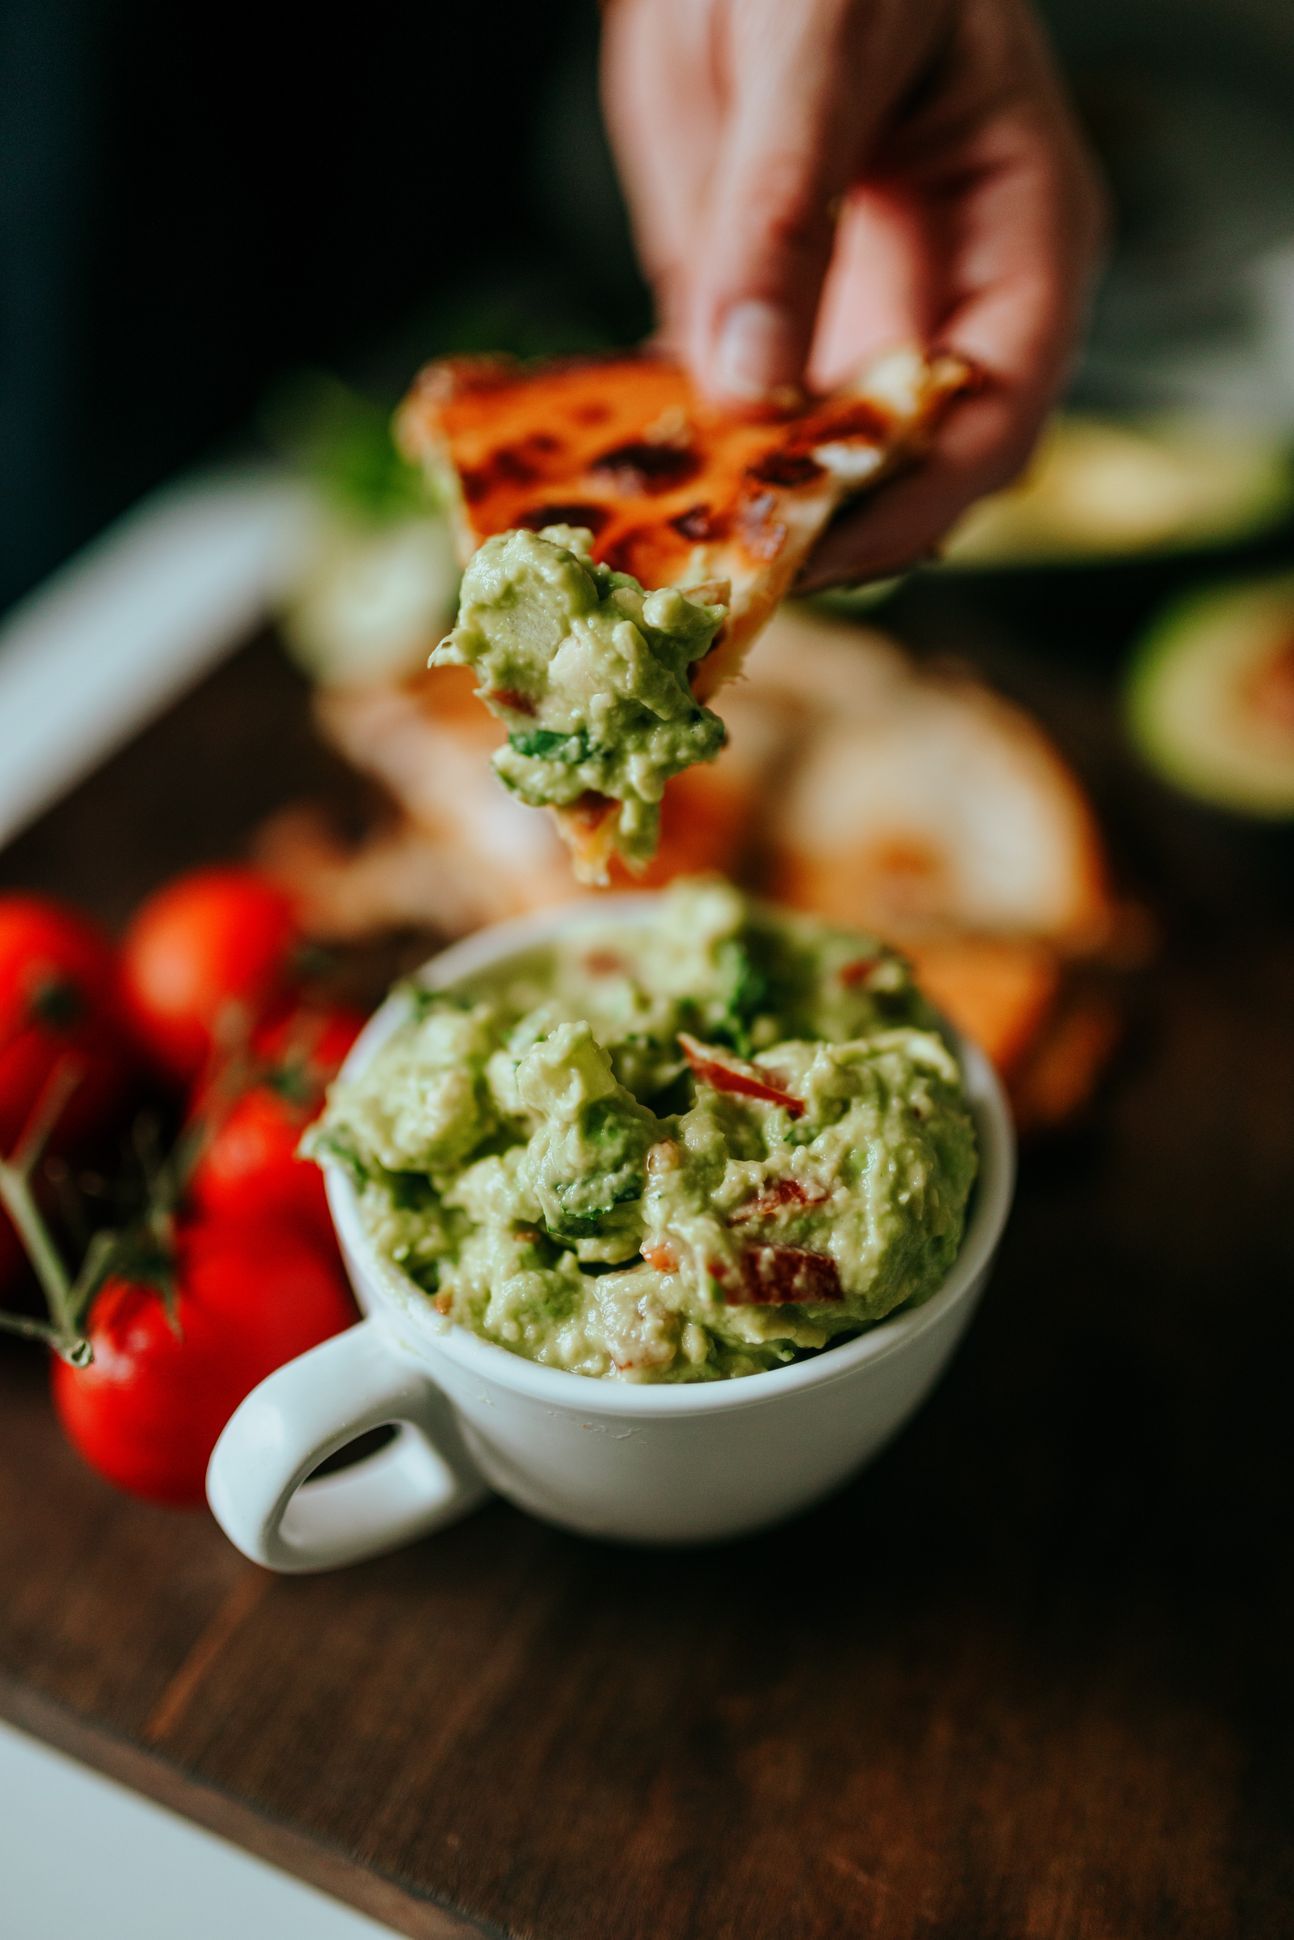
[1028, 1676]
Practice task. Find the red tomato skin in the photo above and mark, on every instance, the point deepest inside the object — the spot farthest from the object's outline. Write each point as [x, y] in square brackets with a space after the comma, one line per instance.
[327, 1032]
[148, 1410]
[724, 1072]
[249, 1166]
[204, 943]
[48, 950]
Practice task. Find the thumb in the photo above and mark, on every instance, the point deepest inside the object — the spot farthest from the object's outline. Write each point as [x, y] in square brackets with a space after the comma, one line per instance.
[793, 133]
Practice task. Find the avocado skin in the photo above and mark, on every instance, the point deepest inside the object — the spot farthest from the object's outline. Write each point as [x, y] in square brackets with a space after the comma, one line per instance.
[1184, 701]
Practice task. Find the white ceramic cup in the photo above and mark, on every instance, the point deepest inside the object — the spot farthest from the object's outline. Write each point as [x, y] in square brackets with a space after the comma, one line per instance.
[652, 1464]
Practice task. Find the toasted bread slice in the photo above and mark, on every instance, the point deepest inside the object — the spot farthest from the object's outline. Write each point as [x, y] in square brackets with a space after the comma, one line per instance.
[673, 492]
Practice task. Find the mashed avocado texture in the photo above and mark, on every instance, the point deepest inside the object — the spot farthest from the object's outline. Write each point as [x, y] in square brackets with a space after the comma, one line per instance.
[590, 675]
[675, 1152]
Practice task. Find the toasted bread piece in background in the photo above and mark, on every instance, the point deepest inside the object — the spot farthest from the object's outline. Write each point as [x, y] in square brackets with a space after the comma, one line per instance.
[929, 804]
[426, 741]
[363, 889]
[998, 990]
[1063, 1069]
[673, 491]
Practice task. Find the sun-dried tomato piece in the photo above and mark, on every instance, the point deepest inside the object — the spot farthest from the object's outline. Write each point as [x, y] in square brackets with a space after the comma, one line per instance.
[782, 1192]
[780, 1276]
[511, 697]
[722, 1072]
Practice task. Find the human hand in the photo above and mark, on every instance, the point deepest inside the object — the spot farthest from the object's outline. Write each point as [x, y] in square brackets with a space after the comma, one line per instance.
[813, 180]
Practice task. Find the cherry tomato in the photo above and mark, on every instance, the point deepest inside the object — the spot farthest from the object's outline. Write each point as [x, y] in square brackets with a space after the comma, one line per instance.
[147, 1411]
[204, 947]
[60, 1000]
[249, 1165]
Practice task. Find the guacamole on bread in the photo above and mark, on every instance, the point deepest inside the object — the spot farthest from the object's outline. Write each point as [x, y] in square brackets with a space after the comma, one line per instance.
[676, 1151]
[589, 674]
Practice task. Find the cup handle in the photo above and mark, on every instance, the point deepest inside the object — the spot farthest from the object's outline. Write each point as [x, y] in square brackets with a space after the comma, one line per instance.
[304, 1412]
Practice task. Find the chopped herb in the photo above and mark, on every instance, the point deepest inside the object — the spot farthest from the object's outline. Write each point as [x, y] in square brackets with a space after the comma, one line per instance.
[612, 1190]
[423, 1273]
[544, 744]
[422, 1001]
[604, 1123]
[748, 992]
[335, 1143]
[410, 1191]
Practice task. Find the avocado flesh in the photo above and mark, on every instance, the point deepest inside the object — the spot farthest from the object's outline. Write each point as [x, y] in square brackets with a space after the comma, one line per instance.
[1210, 697]
[1097, 490]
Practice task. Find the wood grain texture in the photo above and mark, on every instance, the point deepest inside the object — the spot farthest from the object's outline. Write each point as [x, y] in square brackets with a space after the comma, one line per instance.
[1028, 1677]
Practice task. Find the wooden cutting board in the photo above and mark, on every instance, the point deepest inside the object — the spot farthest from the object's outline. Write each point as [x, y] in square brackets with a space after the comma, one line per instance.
[1028, 1676]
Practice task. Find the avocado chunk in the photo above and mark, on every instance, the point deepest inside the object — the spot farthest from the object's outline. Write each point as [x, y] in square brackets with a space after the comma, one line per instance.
[589, 672]
[1210, 696]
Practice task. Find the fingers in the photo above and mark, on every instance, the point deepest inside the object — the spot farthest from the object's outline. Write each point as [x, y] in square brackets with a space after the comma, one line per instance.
[1022, 227]
[662, 117]
[970, 216]
[882, 287]
[905, 523]
[791, 137]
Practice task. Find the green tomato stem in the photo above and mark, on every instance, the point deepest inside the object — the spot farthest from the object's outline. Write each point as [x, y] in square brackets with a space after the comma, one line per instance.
[19, 1202]
[65, 1334]
[27, 1327]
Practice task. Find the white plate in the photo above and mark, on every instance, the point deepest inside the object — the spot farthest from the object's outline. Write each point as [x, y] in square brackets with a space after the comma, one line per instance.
[82, 1855]
[133, 620]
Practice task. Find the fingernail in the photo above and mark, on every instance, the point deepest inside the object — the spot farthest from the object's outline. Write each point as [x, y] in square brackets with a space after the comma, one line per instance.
[755, 351]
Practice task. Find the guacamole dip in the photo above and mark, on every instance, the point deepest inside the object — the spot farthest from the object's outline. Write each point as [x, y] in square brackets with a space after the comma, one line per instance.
[590, 675]
[675, 1152]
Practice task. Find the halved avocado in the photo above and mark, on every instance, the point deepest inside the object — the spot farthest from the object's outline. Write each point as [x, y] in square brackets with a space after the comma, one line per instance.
[1210, 696]
[1099, 489]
